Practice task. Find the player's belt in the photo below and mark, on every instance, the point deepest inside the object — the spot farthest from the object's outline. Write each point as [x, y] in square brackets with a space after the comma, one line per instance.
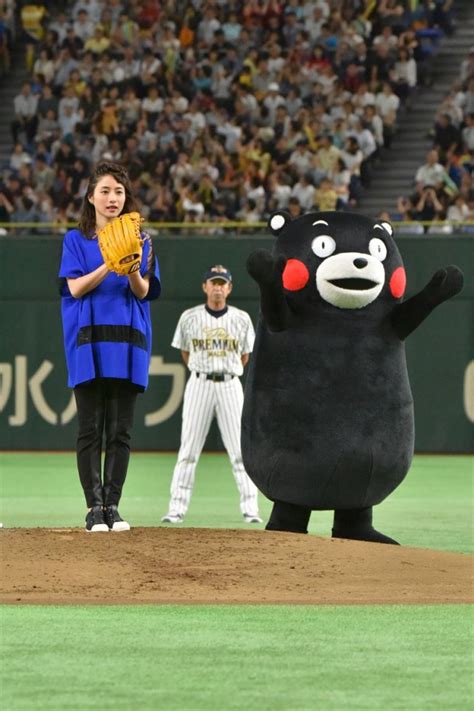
[215, 377]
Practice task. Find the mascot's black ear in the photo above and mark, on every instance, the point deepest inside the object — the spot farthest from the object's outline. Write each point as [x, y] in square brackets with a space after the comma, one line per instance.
[278, 221]
[387, 226]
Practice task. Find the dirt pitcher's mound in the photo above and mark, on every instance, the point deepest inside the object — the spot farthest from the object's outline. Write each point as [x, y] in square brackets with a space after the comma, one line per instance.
[199, 565]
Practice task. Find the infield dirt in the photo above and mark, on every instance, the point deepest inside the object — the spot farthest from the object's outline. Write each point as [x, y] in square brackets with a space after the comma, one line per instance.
[199, 565]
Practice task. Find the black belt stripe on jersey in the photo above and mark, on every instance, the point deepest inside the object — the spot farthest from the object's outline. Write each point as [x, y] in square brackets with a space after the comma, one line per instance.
[111, 334]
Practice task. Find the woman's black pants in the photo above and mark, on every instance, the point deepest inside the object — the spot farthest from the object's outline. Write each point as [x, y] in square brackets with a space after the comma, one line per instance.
[104, 406]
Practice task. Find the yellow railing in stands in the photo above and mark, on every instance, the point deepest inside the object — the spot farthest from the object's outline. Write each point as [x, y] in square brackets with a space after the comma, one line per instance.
[155, 225]
[63, 226]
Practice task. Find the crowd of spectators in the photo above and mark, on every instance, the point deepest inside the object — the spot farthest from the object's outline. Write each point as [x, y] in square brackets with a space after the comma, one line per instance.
[443, 192]
[221, 110]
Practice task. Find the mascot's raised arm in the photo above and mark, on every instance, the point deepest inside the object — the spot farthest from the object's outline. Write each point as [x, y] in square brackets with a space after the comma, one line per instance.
[328, 418]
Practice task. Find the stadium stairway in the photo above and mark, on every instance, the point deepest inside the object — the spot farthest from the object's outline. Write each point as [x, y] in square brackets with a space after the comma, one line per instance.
[393, 175]
[10, 85]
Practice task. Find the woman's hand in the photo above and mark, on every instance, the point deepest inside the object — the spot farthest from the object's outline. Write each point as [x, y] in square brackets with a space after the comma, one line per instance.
[138, 284]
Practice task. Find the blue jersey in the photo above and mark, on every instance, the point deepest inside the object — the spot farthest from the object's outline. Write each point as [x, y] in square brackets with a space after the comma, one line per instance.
[107, 332]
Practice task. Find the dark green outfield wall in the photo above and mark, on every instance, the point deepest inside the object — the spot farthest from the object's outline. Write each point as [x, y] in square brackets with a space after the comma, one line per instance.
[36, 409]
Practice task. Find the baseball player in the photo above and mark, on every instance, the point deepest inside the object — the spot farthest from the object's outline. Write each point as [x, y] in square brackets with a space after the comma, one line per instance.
[215, 342]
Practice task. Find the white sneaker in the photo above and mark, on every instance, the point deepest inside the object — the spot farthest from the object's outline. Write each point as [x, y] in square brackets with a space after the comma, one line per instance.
[95, 521]
[118, 526]
[173, 518]
[114, 521]
[252, 518]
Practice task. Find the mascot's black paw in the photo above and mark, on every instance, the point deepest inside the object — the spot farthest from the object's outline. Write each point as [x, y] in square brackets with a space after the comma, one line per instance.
[446, 283]
[365, 534]
[265, 268]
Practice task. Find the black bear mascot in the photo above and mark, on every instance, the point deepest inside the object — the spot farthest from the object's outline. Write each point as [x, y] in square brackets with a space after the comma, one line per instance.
[328, 422]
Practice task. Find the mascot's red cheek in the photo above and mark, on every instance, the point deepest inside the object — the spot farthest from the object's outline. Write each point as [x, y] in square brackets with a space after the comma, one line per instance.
[398, 282]
[295, 275]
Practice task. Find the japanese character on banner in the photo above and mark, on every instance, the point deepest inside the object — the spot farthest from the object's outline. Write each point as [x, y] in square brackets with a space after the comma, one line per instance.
[15, 384]
[14, 381]
[178, 372]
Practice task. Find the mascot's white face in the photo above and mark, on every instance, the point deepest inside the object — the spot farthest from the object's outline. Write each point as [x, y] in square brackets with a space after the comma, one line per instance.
[350, 280]
[356, 258]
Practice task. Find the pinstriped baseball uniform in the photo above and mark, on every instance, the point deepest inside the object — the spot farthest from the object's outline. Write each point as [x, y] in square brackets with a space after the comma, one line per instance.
[216, 341]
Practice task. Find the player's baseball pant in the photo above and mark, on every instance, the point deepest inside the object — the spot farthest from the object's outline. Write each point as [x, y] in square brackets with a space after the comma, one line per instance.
[204, 400]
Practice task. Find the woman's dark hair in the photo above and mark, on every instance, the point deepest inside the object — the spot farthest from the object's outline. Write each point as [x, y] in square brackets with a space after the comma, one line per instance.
[117, 171]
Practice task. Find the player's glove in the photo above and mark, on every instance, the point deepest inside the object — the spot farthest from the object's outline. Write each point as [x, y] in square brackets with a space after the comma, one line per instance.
[120, 243]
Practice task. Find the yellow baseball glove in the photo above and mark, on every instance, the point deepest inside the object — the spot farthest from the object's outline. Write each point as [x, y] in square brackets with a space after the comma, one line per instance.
[120, 243]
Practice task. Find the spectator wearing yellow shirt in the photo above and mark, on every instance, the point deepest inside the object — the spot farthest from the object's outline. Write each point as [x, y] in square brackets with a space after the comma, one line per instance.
[245, 77]
[327, 153]
[312, 129]
[76, 82]
[325, 196]
[32, 18]
[108, 119]
[253, 152]
[98, 43]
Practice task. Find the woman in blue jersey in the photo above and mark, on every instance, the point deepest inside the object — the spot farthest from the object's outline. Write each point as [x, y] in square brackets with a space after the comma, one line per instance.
[107, 339]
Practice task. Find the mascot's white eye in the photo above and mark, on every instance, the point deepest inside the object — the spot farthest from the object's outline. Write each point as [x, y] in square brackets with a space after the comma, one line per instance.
[323, 246]
[377, 248]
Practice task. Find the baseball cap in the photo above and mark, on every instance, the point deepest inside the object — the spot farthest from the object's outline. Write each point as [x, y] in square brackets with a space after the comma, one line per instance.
[218, 272]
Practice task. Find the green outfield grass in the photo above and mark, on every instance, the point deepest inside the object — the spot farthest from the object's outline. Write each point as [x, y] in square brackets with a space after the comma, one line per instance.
[431, 508]
[219, 658]
[214, 658]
